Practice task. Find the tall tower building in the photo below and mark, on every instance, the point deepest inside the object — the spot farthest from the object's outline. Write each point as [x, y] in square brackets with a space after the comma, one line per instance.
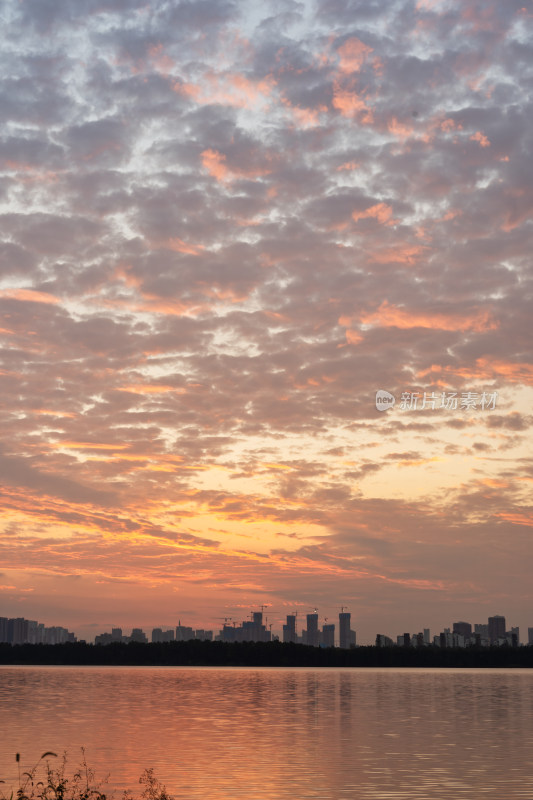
[462, 628]
[312, 630]
[289, 630]
[328, 635]
[344, 629]
[496, 628]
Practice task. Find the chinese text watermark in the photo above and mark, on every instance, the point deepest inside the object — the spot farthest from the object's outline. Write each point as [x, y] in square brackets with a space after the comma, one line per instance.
[433, 401]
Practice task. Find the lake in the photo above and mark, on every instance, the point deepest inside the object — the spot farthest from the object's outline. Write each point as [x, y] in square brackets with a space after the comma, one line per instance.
[274, 734]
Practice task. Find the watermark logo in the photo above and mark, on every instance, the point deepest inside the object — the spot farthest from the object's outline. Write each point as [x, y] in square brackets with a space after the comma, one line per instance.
[434, 401]
[384, 400]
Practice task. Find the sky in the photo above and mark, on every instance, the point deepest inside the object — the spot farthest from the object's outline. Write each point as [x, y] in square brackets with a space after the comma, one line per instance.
[225, 226]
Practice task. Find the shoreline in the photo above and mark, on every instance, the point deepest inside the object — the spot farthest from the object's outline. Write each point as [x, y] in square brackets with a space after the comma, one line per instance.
[256, 654]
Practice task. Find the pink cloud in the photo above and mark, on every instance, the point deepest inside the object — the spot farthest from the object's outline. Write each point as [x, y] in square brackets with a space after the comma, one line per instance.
[229, 89]
[353, 53]
[162, 62]
[349, 103]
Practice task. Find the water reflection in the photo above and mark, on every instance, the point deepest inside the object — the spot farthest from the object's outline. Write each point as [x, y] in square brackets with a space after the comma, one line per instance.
[276, 734]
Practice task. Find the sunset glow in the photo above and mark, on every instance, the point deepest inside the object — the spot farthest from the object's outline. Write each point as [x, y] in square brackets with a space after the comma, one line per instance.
[224, 227]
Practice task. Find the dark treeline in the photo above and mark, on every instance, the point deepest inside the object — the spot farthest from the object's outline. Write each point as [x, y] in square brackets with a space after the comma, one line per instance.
[256, 654]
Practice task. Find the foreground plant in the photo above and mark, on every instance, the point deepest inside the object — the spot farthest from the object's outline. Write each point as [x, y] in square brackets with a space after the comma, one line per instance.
[45, 782]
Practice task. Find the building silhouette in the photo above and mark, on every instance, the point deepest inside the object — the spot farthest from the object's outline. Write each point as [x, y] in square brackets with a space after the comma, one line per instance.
[289, 630]
[346, 635]
[19, 630]
[462, 628]
[496, 628]
[312, 630]
[328, 635]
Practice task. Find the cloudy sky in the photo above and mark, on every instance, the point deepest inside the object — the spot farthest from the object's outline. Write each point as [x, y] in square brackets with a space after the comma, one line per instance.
[225, 225]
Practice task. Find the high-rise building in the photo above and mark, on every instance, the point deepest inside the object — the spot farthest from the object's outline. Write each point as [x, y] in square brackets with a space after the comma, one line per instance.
[253, 630]
[312, 630]
[138, 635]
[481, 635]
[462, 628]
[184, 633]
[17, 630]
[344, 629]
[328, 635]
[529, 636]
[289, 630]
[496, 628]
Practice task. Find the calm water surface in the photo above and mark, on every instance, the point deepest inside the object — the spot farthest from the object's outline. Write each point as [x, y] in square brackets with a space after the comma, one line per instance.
[274, 734]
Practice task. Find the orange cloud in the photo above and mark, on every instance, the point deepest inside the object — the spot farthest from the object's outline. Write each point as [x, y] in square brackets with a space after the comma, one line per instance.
[28, 296]
[481, 138]
[518, 210]
[179, 246]
[486, 369]
[152, 304]
[400, 254]
[349, 103]
[353, 337]
[437, 124]
[390, 316]
[381, 212]
[304, 117]
[145, 388]
[448, 125]
[88, 446]
[52, 413]
[348, 165]
[516, 518]
[399, 129]
[214, 162]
